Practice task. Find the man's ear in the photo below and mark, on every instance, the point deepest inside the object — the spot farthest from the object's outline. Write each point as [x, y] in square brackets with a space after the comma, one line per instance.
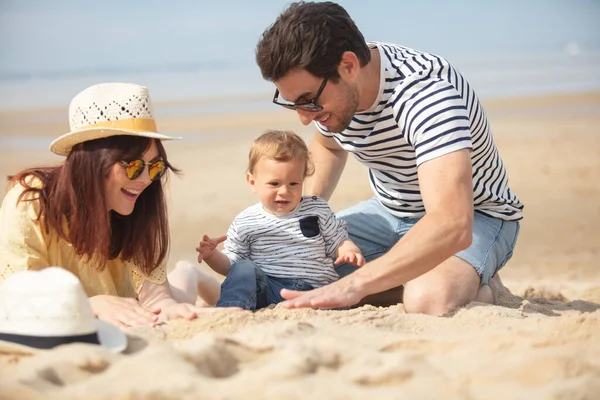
[349, 65]
[251, 181]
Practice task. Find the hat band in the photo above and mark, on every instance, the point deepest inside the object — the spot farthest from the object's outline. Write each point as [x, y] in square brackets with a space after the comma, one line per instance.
[131, 124]
[48, 342]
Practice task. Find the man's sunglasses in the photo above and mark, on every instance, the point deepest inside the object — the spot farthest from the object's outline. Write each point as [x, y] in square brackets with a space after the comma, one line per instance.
[134, 168]
[310, 105]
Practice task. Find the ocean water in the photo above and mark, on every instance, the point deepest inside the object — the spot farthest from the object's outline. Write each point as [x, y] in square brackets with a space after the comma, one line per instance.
[198, 50]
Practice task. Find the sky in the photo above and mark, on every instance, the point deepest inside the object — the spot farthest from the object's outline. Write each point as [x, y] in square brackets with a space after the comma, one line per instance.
[79, 41]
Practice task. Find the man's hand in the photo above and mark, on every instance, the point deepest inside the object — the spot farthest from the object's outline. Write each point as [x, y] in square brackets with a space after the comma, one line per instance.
[206, 248]
[345, 292]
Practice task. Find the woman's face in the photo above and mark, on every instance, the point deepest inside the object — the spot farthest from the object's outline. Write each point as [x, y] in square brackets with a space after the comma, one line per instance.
[121, 193]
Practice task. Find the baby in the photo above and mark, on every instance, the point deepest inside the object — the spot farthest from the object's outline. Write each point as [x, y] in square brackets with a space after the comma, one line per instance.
[287, 240]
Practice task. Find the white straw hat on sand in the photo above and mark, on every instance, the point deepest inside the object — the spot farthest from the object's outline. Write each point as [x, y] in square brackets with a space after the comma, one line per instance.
[47, 308]
[109, 109]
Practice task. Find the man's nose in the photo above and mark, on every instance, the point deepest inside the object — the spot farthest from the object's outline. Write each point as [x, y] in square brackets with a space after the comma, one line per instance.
[306, 117]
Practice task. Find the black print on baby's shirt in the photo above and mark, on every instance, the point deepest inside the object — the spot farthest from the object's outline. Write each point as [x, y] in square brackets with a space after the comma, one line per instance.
[310, 226]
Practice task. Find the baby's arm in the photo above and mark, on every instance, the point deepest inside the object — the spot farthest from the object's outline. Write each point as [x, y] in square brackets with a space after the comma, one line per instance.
[335, 233]
[208, 252]
[348, 252]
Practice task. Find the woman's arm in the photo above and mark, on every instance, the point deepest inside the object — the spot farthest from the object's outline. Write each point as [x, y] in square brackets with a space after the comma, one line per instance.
[23, 244]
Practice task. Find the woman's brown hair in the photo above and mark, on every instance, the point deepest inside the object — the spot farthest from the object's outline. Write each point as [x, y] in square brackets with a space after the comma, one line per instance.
[75, 191]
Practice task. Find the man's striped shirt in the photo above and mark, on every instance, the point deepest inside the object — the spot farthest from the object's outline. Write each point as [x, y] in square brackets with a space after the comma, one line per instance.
[301, 244]
[425, 109]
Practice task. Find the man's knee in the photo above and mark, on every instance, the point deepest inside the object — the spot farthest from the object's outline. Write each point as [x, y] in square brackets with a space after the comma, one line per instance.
[421, 300]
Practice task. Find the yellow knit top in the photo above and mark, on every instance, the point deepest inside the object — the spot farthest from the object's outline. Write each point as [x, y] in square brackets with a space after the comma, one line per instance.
[24, 244]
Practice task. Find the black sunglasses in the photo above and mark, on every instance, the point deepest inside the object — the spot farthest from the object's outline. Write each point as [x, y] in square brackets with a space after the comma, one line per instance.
[134, 168]
[310, 105]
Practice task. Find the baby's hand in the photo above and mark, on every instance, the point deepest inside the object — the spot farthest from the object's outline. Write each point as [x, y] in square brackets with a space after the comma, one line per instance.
[351, 256]
[206, 248]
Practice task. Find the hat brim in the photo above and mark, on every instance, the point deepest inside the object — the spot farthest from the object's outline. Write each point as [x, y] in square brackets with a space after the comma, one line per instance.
[62, 146]
[109, 336]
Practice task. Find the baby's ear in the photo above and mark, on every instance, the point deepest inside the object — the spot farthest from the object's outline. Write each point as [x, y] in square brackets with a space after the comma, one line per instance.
[251, 181]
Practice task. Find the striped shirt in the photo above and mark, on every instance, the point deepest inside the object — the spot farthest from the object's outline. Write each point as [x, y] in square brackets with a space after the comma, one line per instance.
[301, 244]
[425, 109]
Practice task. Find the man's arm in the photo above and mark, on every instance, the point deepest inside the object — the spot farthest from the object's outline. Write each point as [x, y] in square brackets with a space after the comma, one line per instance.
[329, 160]
[447, 192]
[447, 228]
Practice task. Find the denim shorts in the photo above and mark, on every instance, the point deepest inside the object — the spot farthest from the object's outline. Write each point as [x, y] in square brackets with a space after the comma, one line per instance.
[375, 231]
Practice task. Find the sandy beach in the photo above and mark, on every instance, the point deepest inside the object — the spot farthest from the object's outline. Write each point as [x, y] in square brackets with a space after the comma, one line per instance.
[542, 342]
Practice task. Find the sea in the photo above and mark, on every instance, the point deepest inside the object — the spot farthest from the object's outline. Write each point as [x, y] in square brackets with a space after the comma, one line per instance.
[200, 54]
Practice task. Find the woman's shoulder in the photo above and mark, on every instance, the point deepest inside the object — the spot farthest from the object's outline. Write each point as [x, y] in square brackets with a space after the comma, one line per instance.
[19, 197]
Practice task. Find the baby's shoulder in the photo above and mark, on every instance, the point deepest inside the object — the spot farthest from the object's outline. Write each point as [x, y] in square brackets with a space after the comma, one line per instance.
[314, 204]
[249, 212]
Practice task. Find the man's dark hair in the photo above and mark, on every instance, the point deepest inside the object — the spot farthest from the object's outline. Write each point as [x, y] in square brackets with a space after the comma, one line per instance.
[311, 36]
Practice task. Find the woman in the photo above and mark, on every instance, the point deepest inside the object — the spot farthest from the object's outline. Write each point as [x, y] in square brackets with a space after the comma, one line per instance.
[101, 214]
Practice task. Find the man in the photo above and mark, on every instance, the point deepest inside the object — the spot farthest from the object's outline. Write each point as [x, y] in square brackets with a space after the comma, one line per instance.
[443, 220]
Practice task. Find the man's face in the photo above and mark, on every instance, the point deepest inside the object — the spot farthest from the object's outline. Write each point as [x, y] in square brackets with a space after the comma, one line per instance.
[339, 100]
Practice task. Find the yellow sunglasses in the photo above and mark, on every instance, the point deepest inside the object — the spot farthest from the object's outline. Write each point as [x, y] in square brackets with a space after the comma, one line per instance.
[134, 168]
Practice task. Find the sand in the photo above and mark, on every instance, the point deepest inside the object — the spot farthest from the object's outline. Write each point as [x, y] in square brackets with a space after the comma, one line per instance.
[541, 342]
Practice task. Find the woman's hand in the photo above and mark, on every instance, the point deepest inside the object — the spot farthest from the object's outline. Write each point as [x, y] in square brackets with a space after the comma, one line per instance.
[189, 311]
[123, 312]
[206, 248]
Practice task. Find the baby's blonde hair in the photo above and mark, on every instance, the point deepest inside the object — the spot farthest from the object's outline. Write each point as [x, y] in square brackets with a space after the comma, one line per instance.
[280, 146]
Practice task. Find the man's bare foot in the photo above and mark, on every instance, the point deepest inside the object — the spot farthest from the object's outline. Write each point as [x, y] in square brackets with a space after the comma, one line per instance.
[494, 292]
[485, 295]
[502, 295]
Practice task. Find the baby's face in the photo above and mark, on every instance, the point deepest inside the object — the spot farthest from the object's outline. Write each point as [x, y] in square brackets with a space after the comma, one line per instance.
[278, 184]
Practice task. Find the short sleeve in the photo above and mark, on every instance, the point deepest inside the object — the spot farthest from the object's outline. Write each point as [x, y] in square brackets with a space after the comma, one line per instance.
[433, 117]
[235, 247]
[138, 277]
[23, 244]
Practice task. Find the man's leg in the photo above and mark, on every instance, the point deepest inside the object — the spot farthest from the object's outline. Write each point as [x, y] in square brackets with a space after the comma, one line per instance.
[464, 277]
[451, 284]
[375, 231]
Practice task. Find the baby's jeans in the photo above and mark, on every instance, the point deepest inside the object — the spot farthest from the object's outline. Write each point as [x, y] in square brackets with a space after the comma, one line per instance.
[247, 286]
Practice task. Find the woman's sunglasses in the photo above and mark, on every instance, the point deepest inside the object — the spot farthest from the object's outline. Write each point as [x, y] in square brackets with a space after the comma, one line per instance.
[134, 168]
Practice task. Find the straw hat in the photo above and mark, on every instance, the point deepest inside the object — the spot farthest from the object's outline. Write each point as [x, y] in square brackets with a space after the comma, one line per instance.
[109, 109]
[47, 308]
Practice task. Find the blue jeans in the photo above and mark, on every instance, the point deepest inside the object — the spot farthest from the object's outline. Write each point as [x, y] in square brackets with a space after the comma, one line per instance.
[247, 286]
[375, 231]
